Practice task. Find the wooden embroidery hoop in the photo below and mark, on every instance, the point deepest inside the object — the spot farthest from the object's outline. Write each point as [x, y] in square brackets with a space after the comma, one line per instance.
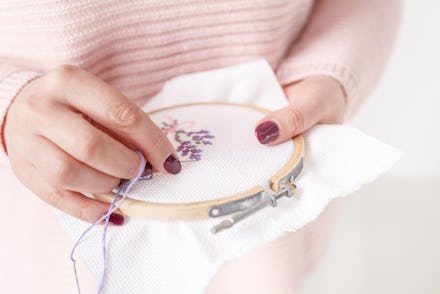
[282, 180]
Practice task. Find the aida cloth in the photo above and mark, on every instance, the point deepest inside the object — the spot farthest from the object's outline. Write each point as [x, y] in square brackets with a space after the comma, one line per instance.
[219, 151]
[151, 256]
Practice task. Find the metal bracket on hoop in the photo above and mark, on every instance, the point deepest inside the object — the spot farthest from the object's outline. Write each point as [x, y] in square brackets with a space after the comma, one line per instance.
[244, 207]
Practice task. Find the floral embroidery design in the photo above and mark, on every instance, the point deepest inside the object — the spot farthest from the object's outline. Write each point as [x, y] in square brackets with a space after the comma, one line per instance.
[190, 142]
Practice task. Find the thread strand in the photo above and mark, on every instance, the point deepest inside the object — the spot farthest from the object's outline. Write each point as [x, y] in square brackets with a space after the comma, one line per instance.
[106, 217]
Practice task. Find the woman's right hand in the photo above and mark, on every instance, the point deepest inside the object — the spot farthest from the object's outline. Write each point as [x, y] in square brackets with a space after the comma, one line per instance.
[69, 132]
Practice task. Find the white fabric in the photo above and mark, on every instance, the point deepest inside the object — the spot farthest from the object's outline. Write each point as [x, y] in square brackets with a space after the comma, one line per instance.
[181, 257]
[233, 163]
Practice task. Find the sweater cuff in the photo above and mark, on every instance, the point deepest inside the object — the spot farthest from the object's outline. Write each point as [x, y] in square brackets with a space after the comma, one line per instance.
[10, 85]
[290, 73]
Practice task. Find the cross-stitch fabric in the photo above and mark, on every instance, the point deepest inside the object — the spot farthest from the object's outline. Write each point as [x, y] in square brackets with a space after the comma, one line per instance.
[219, 151]
[147, 256]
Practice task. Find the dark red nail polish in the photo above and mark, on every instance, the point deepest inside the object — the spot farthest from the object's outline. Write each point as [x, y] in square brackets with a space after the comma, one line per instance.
[147, 171]
[117, 219]
[123, 182]
[172, 165]
[267, 132]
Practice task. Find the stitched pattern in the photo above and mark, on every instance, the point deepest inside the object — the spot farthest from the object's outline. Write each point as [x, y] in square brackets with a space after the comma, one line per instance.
[190, 142]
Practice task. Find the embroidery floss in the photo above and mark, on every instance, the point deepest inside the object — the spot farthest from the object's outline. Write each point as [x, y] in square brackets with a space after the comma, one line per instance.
[143, 174]
[189, 147]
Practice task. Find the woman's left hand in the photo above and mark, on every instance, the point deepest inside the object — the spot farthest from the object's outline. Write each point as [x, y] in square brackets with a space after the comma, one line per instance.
[314, 100]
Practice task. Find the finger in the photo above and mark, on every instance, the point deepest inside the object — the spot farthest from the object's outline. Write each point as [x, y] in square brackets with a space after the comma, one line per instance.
[86, 143]
[287, 122]
[114, 111]
[72, 203]
[317, 99]
[63, 171]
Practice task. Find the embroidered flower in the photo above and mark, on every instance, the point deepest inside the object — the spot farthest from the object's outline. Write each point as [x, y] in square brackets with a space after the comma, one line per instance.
[190, 142]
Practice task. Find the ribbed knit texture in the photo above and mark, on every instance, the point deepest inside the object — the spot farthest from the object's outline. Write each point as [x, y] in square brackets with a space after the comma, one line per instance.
[138, 45]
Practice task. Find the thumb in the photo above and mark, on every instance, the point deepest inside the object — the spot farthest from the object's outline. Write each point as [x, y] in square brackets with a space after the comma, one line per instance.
[311, 101]
[285, 124]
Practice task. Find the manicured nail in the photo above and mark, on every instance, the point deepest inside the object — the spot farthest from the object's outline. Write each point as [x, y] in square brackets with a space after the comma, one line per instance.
[147, 171]
[123, 182]
[267, 132]
[117, 219]
[172, 165]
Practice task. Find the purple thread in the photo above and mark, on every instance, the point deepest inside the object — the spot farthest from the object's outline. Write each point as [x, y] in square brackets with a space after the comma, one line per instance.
[190, 147]
[113, 207]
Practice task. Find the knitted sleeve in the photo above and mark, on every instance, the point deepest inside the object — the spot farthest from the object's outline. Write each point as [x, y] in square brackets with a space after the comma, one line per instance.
[12, 79]
[349, 40]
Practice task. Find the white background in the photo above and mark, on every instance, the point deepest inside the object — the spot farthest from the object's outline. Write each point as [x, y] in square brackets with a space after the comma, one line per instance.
[388, 236]
[405, 108]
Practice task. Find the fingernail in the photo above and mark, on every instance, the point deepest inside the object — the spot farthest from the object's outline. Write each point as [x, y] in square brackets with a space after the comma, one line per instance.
[123, 182]
[267, 132]
[148, 170]
[117, 219]
[172, 165]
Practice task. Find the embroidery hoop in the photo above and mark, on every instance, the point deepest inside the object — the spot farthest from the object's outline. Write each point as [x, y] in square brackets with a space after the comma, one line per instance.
[242, 204]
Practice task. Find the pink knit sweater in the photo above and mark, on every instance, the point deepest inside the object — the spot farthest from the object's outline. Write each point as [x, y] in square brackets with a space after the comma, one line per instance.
[137, 45]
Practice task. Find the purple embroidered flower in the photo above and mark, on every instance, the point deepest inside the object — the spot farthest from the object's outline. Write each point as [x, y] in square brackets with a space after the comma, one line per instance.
[201, 137]
[189, 141]
[189, 149]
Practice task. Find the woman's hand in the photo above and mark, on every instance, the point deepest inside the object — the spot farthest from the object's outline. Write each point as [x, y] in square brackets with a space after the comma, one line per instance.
[68, 132]
[314, 100]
